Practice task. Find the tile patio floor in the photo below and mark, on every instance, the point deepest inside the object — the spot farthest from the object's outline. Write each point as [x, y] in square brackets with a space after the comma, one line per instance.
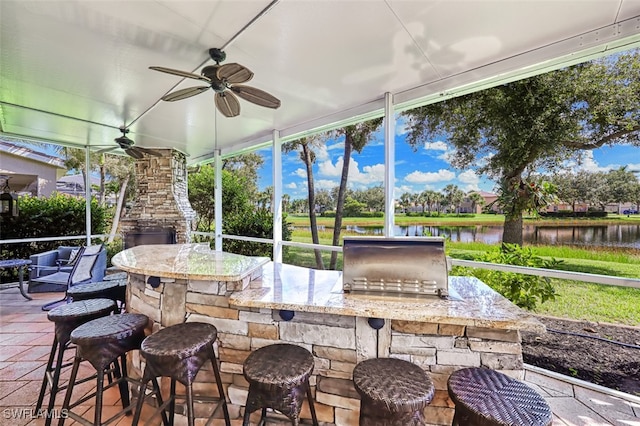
[26, 337]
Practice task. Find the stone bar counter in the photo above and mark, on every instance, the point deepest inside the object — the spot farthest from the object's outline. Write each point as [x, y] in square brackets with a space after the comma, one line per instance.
[254, 302]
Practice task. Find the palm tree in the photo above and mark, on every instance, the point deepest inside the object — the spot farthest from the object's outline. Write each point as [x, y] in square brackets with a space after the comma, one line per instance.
[476, 200]
[405, 201]
[356, 137]
[305, 146]
[429, 197]
[454, 196]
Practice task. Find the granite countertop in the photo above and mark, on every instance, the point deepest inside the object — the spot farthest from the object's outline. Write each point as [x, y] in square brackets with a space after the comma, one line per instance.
[187, 261]
[471, 302]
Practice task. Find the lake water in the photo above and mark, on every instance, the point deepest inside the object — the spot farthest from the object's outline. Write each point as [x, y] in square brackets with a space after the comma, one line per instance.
[605, 235]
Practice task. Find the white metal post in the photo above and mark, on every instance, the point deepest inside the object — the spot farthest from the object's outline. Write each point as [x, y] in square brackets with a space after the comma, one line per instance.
[87, 192]
[217, 198]
[277, 197]
[389, 161]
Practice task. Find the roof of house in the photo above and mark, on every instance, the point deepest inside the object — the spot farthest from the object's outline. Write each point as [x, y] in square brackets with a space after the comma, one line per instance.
[22, 151]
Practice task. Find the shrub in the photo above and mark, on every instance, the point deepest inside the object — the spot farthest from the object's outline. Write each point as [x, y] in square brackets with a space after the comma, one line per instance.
[253, 223]
[524, 290]
[57, 215]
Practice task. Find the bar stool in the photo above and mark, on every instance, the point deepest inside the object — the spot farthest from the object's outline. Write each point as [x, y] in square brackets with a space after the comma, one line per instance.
[66, 318]
[393, 392]
[278, 377]
[117, 276]
[109, 289]
[178, 352]
[101, 342]
[485, 397]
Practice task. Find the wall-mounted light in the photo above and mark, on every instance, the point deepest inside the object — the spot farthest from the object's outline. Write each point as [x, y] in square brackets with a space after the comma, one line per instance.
[8, 201]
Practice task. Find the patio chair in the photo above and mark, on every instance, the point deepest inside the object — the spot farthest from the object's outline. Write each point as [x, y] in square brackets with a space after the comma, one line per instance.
[90, 267]
[50, 262]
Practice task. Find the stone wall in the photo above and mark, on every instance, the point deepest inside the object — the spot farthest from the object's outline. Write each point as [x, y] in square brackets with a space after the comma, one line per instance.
[161, 199]
[337, 343]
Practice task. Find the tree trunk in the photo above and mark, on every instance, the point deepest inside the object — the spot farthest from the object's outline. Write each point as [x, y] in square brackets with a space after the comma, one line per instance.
[312, 208]
[103, 178]
[512, 232]
[337, 226]
[118, 212]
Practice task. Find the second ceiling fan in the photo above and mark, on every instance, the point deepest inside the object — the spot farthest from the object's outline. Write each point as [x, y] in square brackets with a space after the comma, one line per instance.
[226, 81]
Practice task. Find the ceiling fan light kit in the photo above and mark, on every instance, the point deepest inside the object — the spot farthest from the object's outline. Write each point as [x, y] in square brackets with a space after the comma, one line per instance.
[226, 81]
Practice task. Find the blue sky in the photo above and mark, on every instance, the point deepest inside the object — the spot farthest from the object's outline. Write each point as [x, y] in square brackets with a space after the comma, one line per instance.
[427, 168]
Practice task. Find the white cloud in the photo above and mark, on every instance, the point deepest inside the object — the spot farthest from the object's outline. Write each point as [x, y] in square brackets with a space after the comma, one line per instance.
[441, 175]
[402, 125]
[369, 175]
[302, 173]
[334, 146]
[589, 164]
[324, 184]
[436, 146]
[470, 179]
[402, 189]
[291, 185]
[321, 152]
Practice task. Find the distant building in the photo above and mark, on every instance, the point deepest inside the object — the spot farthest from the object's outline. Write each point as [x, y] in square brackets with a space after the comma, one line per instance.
[74, 184]
[29, 171]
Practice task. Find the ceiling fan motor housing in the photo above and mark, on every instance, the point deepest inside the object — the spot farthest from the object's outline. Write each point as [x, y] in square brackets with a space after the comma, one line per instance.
[217, 55]
[211, 73]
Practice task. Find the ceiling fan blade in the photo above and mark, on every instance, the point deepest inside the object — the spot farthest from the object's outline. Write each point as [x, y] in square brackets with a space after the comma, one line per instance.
[256, 96]
[147, 151]
[181, 73]
[133, 153]
[234, 73]
[184, 93]
[228, 104]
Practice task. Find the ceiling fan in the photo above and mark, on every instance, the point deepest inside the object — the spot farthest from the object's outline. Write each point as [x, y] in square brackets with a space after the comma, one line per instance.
[225, 80]
[128, 146]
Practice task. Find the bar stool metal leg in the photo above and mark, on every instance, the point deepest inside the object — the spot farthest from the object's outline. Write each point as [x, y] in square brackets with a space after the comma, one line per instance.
[66, 319]
[104, 342]
[179, 352]
[278, 377]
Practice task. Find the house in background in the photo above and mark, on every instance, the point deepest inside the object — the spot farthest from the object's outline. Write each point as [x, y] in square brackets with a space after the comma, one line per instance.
[29, 171]
[74, 184]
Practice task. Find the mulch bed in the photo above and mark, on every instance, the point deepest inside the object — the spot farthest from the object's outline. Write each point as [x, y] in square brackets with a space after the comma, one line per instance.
[576, 353]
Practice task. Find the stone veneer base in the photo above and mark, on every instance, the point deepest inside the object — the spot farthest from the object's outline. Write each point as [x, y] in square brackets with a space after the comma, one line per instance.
[337, 342]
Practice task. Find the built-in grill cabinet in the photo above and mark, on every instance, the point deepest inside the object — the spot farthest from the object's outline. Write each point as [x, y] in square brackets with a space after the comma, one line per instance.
[395, 266]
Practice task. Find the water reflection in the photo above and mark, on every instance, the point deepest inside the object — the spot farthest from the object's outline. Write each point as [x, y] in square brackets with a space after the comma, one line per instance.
[605, 235]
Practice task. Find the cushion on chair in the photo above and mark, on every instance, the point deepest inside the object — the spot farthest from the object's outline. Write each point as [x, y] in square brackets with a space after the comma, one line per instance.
[73, 257]
[64, 252]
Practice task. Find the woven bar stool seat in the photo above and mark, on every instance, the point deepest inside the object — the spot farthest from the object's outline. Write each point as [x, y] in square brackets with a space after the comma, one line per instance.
[105, 342]
[393, 392]
[278, 377]
[178, 352]
[485, 397]
[116, 276]
[108, 289]
[66, 318]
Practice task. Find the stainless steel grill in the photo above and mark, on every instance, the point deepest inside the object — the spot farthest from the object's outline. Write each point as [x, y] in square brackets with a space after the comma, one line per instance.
[396, 266]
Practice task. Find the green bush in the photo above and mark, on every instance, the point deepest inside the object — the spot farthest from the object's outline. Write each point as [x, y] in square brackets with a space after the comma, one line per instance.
[253, 223]
[524, 290]
[57, 215]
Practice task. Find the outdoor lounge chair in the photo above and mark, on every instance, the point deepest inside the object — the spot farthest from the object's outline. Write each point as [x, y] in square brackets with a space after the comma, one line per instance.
[88, 268]
[50, 262]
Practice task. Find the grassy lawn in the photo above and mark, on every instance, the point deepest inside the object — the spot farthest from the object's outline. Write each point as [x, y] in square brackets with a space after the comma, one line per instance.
[577, 300]
[478, 219]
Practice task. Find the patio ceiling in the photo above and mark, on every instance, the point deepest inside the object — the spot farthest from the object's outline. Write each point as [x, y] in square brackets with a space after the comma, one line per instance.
[72, 72]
